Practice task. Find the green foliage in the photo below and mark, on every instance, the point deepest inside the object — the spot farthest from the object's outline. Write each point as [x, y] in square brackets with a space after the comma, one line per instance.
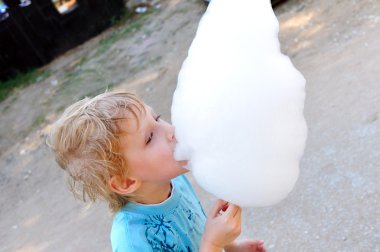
[123, 26]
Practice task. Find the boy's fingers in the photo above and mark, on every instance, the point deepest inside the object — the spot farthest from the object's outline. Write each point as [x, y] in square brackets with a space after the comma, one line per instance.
[238, 219]
[238, 215]
[261, 246]
[217, 207]
[232, 210]
[239, 212]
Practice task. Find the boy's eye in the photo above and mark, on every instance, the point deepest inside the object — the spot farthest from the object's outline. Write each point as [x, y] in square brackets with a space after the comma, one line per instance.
[151, 134]
[150, 138]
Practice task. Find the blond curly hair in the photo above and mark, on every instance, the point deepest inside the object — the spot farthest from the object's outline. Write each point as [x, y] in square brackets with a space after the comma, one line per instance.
[85, 141]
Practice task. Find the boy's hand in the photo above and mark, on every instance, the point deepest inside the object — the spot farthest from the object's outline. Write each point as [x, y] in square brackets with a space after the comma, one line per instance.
[222, 227]
[247, 245]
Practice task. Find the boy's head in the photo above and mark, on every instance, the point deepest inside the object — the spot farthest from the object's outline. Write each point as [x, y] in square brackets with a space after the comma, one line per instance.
[113, 147]
[86, 143]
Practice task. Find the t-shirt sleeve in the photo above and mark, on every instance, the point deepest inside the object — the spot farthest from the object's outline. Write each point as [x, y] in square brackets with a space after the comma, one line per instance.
[127, 238]
[119, 238]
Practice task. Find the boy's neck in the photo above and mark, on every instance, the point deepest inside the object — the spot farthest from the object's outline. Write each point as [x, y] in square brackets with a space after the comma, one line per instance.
[153, 193]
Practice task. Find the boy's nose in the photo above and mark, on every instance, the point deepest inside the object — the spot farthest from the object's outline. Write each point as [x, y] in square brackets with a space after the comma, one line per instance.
[171, 131]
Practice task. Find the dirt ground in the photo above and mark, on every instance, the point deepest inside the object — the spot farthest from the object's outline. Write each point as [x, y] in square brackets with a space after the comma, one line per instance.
[336, 203]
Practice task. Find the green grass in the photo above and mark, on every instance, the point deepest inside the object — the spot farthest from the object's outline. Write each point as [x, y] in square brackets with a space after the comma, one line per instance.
[75, 79]
[21, 80]
[125, 26]
[40, 119]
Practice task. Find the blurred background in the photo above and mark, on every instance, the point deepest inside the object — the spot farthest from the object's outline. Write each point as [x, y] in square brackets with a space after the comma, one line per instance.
[53, 53]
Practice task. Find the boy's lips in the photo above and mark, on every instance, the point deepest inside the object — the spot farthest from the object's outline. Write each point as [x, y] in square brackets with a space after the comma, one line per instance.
[174, 143]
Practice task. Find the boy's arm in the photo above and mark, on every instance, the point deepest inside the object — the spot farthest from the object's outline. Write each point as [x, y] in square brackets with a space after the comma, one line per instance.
[222, 227]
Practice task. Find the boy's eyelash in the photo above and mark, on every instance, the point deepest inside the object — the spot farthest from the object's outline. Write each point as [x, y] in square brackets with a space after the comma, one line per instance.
[151, 134]
[150, 138]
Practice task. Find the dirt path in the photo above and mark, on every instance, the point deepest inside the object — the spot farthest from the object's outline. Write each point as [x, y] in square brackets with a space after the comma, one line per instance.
[334, 207]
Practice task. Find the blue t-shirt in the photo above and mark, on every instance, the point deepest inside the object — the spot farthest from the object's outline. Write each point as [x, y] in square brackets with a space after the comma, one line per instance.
[176, 224]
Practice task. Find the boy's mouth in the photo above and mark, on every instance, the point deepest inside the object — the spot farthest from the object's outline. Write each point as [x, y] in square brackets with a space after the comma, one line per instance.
[174, 143]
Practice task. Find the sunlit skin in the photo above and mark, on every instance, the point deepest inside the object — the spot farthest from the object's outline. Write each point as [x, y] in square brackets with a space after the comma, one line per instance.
[148, 146]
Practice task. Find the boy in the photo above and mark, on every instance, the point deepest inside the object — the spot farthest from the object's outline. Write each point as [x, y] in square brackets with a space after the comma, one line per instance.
[114, 147]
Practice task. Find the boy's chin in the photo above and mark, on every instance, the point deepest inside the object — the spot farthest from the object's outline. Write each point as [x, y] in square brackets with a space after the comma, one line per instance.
[182, 163]
[184, 170]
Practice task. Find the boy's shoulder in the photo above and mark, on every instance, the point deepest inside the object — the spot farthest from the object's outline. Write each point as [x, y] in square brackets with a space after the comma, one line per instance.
[134, 215]
[154, 226]
[128, 233]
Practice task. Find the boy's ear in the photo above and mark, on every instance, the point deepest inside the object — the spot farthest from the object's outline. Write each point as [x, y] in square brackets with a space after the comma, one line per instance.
[124, 186]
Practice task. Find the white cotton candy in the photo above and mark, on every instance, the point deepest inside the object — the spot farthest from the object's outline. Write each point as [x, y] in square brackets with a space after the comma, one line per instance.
[238, 106]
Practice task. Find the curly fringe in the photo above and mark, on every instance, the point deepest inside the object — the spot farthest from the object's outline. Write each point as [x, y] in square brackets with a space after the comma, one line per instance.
[86, 145]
